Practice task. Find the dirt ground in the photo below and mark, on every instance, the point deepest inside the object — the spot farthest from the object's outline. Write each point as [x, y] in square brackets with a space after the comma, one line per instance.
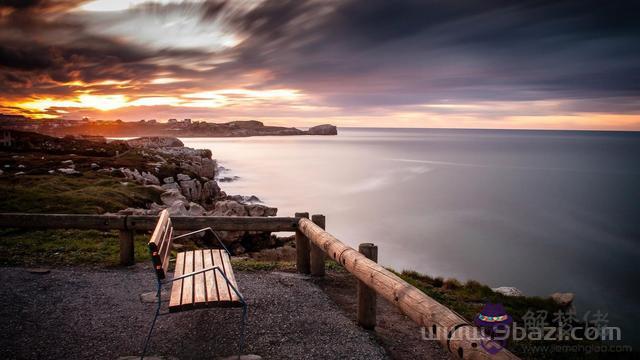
[399, 335]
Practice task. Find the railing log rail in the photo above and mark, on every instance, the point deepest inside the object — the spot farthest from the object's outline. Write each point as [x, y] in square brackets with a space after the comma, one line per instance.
[127, 225]
[453, 331]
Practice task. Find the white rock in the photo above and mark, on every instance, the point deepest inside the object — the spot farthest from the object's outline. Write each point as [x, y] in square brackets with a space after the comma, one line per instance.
[156, 207]
[261, 210]
[168, 180]
[228, 208]
[195, 210]
[183, 177]
[171, 186]
[508, 291]
[21, 166]
[563, 299]
[149, 178]
[51, 171]
[192, 189]
[177, 209]
[210, 192]
[20, 173]
[68, 171]
[95, 166]
[67, 162]
[171, 196]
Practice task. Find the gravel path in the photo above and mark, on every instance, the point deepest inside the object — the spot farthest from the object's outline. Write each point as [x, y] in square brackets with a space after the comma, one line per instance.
[81, 313]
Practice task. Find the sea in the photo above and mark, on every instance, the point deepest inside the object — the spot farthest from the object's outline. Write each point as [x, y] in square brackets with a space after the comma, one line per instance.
[542, 211]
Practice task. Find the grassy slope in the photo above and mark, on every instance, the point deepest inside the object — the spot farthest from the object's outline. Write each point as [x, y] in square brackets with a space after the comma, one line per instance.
[91, 193]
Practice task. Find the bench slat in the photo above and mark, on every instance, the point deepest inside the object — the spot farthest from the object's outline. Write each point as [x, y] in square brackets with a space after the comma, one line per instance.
[157, 243]
[208, 289]
[176, 288]
[199, 292]
[164, 254]
[187, 283]
[210, 277]
[223, 289]
[228, 270]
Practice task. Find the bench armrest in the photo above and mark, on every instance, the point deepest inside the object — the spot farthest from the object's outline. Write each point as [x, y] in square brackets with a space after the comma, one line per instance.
[191, 274]
[215, 234]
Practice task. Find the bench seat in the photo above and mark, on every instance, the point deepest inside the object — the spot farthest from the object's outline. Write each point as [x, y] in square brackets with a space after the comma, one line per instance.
[207, 289]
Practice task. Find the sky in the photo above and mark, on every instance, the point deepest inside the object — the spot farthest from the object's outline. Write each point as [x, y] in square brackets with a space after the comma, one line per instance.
[378, 63]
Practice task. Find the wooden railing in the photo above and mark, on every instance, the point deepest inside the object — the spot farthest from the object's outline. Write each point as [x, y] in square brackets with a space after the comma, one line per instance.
[127, 225]
[313, 244]
[453, 331]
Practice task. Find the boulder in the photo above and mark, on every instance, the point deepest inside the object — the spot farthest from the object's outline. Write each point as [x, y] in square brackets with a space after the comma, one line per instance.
[95, 166]
[20, 173]
[67, 162]
[260, 210]
[508, 291]
[228, 208]
[149, 178]
[195, 210]
[156, 207]
[137, 211]
[155, 142]
[325, 129]
[210, 192]
[21, 166]
[168, 180]
[183, 177]
[132, 175]
[192, 189]
[244, 199]
[171, 186]
[178, 208]
[171, 196]
[563, 299]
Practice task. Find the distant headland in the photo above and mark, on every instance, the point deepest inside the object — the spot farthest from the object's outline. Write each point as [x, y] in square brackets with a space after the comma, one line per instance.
[152, 127]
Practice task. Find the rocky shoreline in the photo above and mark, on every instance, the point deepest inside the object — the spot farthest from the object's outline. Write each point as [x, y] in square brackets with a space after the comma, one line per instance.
[192, 190]
[185, 180]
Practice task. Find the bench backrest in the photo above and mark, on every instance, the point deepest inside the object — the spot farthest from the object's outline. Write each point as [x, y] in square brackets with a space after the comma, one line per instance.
[160, 244]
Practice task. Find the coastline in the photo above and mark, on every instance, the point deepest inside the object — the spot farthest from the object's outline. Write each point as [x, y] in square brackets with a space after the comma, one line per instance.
[191, 170]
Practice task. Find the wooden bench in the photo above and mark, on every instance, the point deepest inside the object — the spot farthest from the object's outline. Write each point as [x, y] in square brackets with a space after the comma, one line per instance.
[202, 278]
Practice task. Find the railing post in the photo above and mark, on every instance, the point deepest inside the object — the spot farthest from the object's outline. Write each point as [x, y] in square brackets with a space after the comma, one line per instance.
[127, 256]
[366, 296]
[302, 249]
[317, 254]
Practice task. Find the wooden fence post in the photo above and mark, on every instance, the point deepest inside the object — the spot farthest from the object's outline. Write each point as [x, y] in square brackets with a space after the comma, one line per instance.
[302, 249]
[127, 256]
[317, 254]
[366, 296]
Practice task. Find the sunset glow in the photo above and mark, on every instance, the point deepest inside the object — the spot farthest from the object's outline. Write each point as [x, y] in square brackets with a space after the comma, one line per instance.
[223, 61]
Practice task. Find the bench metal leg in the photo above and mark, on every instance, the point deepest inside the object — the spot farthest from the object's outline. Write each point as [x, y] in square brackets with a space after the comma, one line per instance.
[153, 323]
[243, 322]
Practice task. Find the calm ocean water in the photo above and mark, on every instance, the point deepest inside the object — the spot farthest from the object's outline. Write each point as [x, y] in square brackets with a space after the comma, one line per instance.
[541, 211]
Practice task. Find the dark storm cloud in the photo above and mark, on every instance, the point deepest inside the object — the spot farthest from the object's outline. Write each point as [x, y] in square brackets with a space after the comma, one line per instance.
[351, 53]
[41, 45]
[401, 52]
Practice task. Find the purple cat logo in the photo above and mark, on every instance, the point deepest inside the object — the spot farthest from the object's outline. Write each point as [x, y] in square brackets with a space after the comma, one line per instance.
[494, 323]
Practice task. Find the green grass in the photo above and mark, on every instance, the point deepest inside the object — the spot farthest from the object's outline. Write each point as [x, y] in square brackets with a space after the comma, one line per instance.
[91, 193]
[242, 264]
[65, 247]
